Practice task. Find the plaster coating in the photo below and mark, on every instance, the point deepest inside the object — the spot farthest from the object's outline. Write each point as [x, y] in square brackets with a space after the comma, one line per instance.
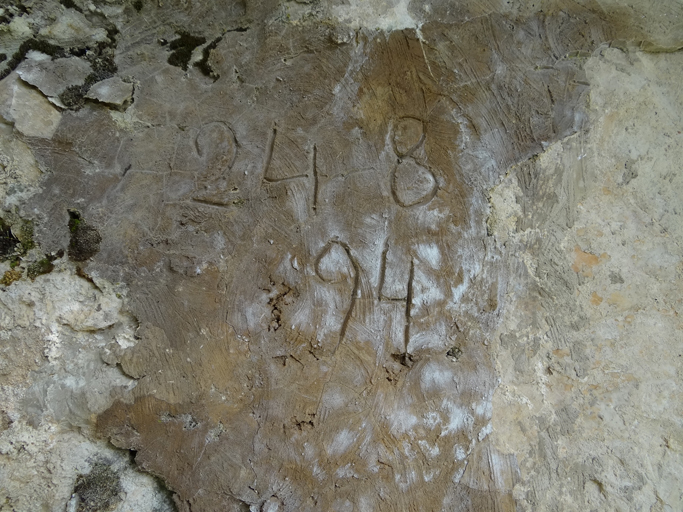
[361, 256]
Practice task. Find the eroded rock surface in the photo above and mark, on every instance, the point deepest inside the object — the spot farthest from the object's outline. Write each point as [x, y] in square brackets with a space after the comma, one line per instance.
[332, 234]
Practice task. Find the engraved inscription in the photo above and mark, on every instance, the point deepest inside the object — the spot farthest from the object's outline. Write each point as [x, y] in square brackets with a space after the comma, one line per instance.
[407, 299]
[413, 184]
[334, 263]
[363, 202]
[288, 160]
[408, 135]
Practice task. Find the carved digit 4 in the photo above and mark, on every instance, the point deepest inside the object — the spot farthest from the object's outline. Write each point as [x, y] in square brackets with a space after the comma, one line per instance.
[269, 158]
[408, 299]
[289, 159]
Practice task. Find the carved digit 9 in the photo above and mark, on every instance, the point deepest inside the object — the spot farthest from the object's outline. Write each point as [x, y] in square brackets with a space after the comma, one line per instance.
[333, 278]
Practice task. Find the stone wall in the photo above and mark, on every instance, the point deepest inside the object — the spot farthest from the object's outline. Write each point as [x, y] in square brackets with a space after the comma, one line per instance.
[340, 256]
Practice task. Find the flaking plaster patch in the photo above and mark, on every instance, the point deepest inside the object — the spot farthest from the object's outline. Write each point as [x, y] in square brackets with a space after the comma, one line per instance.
[33, 115]
[72, 28]
[50, 76]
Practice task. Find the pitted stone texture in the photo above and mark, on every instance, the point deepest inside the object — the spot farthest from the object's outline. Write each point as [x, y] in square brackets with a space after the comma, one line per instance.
[588, 396]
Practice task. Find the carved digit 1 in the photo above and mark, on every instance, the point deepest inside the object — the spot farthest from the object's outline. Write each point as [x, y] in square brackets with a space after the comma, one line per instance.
[408, 299]
[356, 281]
[314, 164]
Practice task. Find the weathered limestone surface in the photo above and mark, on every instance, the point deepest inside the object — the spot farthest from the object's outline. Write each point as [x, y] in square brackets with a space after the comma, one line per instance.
[323, 256]
[590, 361]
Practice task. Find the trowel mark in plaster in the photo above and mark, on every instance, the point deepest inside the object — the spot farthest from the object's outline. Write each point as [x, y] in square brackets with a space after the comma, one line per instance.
[436, 376]
[458, 418]
[408, 450]
[430, 254]
[405, 480]
[485, 432]
[401, 421]
[341, 442]
[428, 450]
[346, 472]
[460, 453]
[484, 408]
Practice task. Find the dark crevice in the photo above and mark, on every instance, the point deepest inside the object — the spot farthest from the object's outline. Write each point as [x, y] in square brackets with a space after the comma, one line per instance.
[203, 64]
[32, 44]
[182, 48]
[100, 56]
[8, 242]
[85, 239]
[70, 4]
